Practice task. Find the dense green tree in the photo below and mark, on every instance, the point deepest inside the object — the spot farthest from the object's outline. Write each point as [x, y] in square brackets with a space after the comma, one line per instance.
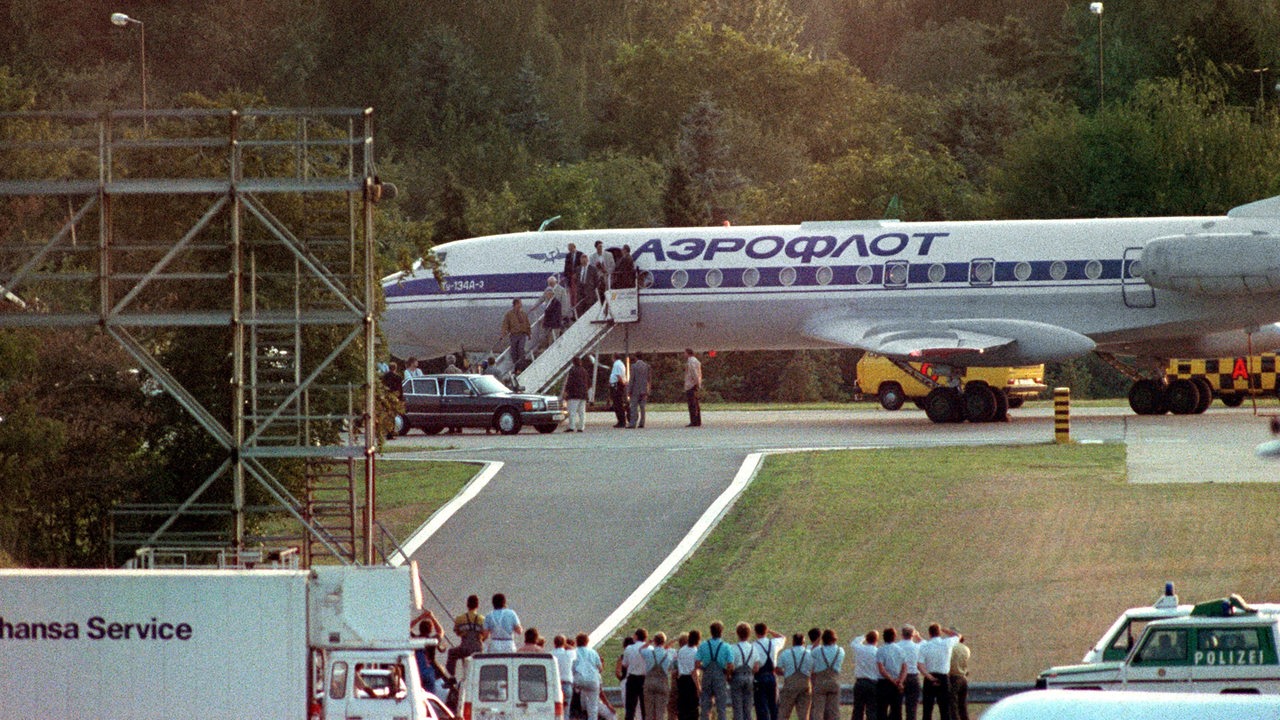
[1175, 148]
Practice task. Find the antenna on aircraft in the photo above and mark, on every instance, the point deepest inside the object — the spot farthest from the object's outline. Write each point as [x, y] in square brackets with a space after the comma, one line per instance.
[547, 222]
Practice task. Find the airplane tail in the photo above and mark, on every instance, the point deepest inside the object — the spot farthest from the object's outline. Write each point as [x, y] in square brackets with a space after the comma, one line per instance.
[1269, 208]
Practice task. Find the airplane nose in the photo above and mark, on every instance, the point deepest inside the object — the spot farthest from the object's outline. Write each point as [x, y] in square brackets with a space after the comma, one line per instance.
[1219, 264]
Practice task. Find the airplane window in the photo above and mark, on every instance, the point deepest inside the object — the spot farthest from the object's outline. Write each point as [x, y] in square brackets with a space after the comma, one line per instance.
[787, 276]
[864, 275]
[937, 273]
[714, 277]
[1058, 270]
[750, 277]
[897, 274]
[1135, 268]
[646, 279]
[1022, 271]
[1093, 270]
[982, 271]
[679, 279]
[824, 275]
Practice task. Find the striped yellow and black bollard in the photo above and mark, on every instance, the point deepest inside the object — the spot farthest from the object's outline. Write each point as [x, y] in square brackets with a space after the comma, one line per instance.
[1062, 415]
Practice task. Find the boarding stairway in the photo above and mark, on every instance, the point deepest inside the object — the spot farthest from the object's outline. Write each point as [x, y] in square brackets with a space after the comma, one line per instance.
[580, 338]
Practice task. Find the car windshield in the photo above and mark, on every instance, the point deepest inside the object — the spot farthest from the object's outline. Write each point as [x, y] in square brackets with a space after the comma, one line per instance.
[488, 385]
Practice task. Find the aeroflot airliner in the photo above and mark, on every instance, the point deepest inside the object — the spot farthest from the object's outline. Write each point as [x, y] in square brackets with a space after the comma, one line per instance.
[983, 293]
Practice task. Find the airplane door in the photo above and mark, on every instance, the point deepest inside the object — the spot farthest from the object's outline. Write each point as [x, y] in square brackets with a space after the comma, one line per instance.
[1137, 293]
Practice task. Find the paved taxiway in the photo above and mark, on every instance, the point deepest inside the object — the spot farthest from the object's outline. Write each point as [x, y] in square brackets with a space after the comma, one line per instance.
[573, 523]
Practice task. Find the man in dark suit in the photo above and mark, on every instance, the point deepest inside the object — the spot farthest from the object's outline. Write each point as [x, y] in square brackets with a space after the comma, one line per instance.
[570, 273]
[588, 277]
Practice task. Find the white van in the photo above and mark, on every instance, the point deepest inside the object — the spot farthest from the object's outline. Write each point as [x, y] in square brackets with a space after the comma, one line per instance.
[511, 686]
[375, 684]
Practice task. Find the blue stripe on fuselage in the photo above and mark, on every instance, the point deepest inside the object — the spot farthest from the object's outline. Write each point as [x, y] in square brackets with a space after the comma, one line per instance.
[806, 276]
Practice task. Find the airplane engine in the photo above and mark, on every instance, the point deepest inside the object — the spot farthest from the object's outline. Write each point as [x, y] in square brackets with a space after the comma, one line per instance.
[1219, 264]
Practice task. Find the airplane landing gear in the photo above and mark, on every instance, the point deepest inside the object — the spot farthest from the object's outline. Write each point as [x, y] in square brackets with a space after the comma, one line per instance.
[944, 405]
[1180, 397]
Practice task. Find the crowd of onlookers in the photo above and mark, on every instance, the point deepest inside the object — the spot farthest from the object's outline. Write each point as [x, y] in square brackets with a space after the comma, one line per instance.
[762, 674]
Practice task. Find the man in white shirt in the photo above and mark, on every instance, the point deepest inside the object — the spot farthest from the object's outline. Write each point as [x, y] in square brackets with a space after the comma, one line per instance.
[866, 674]
[769, 643]
[564, 653]
[692, 387]
[794, 665]
[618, 378]
[746, 662]
[909, 644]
[893, 672]
[935, 665]
[633, 662]
[503, 626]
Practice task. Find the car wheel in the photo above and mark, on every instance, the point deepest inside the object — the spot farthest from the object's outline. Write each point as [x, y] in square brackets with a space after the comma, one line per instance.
[432, 429]
[1233, 400]
[891, 396]
[507, 421]
[1015, 401]
[545, 428]
[402, 425]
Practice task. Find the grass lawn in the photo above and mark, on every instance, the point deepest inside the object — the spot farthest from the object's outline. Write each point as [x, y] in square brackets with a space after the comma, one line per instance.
[1031, 551]
[409, 491]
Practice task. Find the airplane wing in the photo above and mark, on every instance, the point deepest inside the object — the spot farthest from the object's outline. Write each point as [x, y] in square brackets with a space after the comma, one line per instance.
[973, 342]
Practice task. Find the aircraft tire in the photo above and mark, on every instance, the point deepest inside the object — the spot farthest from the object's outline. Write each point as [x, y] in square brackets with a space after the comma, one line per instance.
[891, 396]
[1146, 397]
[1232, 400]
[1182, 397]
[1206, 395]
[980, 405]
[944, 405]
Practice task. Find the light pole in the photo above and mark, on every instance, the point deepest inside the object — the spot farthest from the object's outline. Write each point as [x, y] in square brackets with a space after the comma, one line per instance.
[121, 20]
[1262, 98]
[1096, 9]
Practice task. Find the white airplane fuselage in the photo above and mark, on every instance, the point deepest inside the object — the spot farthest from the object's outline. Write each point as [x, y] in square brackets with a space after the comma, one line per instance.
[831, 284]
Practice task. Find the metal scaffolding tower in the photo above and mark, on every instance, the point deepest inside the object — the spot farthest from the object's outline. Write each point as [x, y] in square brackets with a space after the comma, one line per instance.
[253, 227]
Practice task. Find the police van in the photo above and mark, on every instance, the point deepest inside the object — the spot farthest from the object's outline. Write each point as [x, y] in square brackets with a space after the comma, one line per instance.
[1221, 646]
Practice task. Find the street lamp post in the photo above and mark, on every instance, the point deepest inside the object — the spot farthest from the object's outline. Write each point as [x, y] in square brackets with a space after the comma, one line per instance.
[121, 20]
[1096, 9]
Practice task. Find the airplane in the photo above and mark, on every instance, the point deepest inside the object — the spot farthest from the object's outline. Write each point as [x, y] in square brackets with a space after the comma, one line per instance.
[958, 294]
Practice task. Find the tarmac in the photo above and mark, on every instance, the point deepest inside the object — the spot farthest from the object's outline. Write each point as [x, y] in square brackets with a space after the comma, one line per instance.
[577, 528]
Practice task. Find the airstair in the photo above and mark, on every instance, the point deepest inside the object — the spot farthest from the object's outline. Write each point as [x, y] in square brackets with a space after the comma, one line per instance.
[619, 308]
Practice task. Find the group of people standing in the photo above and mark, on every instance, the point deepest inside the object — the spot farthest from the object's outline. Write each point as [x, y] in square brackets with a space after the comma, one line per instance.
[584, 281]
[760, 675]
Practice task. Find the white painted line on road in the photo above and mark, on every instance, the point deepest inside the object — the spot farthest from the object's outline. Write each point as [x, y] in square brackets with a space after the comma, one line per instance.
[444, 512]
[690, 542]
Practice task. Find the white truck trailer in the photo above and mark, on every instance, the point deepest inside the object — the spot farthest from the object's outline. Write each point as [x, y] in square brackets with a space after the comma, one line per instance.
[162, 644]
